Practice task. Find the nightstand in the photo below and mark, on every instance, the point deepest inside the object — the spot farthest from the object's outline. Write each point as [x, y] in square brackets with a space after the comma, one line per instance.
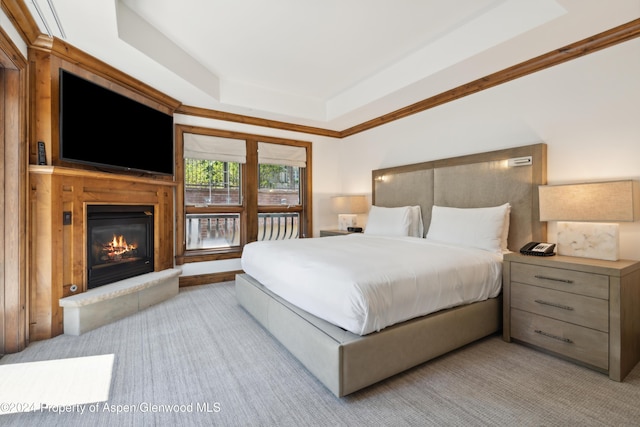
[584, 310]
[325, 233]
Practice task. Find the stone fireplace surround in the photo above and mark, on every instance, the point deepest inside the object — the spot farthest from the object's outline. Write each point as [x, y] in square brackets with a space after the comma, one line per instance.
[59, 197]
[108, 303]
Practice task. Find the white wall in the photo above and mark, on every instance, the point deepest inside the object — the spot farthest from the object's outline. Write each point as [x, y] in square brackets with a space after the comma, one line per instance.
[587, 111]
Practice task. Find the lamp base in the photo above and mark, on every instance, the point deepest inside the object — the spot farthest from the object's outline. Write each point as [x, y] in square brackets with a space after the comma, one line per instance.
[588, 240]
[347, 220]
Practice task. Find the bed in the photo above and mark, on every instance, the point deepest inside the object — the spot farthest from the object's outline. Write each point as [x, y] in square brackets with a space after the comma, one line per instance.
[380, 331]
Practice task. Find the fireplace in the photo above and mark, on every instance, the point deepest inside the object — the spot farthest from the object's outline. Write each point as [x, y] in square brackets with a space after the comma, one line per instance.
[119, 243]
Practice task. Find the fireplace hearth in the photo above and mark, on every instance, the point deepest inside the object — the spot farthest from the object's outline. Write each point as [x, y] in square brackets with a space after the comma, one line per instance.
[119, 243]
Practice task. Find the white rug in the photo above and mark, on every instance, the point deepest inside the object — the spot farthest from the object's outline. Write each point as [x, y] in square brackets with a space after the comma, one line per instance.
[61, 385]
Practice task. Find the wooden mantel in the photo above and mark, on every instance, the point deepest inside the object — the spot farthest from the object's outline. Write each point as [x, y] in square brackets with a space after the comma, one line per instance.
[58, 251]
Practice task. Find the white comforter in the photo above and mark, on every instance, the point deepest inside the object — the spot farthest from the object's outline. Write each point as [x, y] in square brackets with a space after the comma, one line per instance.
[364, 283]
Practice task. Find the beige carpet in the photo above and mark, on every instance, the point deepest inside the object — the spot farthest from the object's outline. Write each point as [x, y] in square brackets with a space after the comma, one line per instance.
[200, 359]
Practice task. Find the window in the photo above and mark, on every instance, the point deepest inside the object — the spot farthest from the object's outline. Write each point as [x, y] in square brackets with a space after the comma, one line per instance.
[237, 188]
[279, 169]
[212, 183]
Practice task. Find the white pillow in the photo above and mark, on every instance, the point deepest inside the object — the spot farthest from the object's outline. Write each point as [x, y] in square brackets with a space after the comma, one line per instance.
[416, 229]
[482, 228]
[388, 221]
[505, 230]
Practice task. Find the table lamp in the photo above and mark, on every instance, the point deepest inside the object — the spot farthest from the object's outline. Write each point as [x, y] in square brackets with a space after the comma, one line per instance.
[347, 208]
[588, 214]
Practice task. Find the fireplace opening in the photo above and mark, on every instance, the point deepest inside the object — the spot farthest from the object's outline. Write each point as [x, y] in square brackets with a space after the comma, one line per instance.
[119, 243]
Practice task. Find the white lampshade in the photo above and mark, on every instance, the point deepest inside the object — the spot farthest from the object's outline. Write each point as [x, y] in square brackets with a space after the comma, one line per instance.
[588, 215]
[349, 204]
[599, 201]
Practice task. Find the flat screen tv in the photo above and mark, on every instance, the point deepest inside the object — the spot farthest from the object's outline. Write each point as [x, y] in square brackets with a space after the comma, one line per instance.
[102, 128]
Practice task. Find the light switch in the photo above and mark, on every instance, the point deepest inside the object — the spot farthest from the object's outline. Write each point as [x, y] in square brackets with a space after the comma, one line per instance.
[66, 218]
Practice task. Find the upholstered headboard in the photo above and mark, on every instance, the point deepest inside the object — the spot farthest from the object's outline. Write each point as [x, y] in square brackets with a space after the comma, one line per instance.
[477, 180]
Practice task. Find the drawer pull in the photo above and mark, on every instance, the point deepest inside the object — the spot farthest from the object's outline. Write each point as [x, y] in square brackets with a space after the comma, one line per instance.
[555, 337]
[553, 278]
[553, 304]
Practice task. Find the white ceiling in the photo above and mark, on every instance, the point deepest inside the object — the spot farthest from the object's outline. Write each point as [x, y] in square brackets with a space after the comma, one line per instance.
[328, 63]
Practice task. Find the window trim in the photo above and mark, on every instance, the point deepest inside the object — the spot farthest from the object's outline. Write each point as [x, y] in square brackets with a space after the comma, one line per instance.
[249, 208]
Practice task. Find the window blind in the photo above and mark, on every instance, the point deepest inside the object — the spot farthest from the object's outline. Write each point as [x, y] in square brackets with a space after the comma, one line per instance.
[205, 147]
[279, 154]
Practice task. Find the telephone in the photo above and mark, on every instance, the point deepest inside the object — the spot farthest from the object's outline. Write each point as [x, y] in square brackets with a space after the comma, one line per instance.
[538, 248]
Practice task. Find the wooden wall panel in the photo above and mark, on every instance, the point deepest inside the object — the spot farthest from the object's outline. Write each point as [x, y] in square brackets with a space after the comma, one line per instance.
[58, 251]
[45, 65]
[13, 200]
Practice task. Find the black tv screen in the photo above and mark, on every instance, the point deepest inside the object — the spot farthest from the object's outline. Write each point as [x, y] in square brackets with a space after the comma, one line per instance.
[102, 128]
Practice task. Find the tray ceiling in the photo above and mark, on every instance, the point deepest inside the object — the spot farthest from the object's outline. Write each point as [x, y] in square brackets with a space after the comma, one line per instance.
[331, 63]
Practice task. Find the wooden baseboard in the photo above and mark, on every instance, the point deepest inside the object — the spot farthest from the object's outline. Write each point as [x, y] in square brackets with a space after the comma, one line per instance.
[204, 279]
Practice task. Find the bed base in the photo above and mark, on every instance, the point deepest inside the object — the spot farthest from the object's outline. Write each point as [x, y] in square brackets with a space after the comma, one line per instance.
[345, 362]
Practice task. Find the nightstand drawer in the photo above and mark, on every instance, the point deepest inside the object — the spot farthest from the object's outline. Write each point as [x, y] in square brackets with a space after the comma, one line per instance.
[579, 343]
[577, 282]
[578, 309]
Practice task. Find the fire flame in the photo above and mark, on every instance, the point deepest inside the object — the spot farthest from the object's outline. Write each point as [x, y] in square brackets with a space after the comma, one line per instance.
[119, 245]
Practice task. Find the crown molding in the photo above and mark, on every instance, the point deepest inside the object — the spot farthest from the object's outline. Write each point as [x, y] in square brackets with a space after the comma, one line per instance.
[22, 20]
[575, 50]
[600, 41]
[250, 120]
